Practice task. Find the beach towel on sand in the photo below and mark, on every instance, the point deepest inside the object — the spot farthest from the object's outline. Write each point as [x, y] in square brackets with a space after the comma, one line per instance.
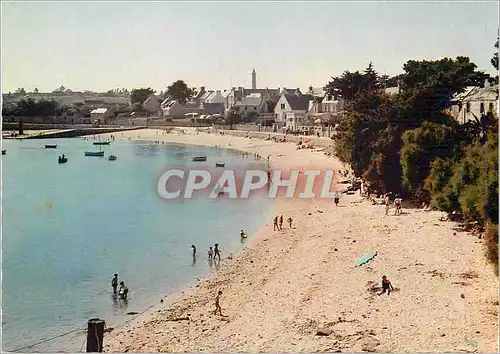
[366, 258]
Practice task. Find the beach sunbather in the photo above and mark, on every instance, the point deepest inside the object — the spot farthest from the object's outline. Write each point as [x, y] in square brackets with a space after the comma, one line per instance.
[386, 285]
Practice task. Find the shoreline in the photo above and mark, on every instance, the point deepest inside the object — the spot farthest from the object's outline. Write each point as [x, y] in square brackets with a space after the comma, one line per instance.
[283, 288]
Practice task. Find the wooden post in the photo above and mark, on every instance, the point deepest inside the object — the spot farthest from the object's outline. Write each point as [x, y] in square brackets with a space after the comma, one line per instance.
[95, 334]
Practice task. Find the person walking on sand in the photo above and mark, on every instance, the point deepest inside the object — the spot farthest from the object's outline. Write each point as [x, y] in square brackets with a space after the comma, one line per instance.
[386, 285]
[217, 304]
[275, 223]
[216, 251]
[397, 204]
[290, 220]
[281, 222]
[114, 283]
[210, 253]
[336, 198]
[387, 201]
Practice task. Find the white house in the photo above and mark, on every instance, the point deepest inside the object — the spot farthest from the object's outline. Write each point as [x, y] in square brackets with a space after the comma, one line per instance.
[152, 105]
[332, 107]
[215, 97]
[250, 103]
[291, 109]
[99, 114]
[474, 102]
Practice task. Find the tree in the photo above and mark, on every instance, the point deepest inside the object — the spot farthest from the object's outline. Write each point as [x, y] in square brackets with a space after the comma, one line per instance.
[232, 117]
[140, 95]
[179, 91]
[21, 91]
[35, 90]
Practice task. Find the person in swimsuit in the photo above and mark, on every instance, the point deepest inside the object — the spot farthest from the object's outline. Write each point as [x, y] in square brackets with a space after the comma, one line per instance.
[194, 250]
[275, 223]
[290, 220]
[210, 253]
[243, 234]
[336, 198]
[216, 251]
[114, 283]
[387, 201]
[217, 304]
[386, 285]
[397, 204]
[123, 291]
[281, 222]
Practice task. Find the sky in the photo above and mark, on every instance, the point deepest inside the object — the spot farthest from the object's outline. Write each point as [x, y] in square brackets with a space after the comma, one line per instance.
[104, 45]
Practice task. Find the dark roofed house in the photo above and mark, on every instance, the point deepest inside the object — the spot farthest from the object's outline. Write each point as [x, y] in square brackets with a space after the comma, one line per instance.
[291, 109]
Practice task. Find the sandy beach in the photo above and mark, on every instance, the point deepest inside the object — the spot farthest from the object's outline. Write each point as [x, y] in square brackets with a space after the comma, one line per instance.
[299, 289]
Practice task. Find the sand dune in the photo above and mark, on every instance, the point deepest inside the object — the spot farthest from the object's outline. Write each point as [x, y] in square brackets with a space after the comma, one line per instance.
[299, 289]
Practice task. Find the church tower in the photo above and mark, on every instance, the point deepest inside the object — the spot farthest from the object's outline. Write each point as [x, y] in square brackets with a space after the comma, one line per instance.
[254, 80]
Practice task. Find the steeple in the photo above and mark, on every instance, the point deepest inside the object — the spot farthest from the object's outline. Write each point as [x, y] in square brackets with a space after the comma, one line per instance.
[254, 79]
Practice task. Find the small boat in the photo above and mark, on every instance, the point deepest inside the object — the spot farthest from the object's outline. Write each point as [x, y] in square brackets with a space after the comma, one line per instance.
[220, 164]
[94, 153]
[112, 158]
[101, 143]
[4, 152]
[48, 146]
[62, 159]
[200, 158]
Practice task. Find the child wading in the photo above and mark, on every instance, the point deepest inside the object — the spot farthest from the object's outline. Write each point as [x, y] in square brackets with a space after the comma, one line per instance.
[217, 304]
[210, 253]
[386, 286]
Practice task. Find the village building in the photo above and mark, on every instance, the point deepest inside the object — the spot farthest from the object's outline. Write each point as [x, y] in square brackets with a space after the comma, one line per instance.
[152, 106]
[474, 102]
[290, 111]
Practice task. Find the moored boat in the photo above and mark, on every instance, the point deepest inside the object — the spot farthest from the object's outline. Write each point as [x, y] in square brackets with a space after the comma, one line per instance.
[200, 158]
[220, 164]
[94, 153]
[62, 159]
[51, 146]
[4, 152]
[101, 143]
[112, 158]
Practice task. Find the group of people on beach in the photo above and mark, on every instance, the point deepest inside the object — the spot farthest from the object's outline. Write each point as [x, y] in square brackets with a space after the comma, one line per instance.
[278, 222]
[122, 291]
[397, 204]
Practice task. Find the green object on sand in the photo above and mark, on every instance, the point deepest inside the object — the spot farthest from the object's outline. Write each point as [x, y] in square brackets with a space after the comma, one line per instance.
[366, 258]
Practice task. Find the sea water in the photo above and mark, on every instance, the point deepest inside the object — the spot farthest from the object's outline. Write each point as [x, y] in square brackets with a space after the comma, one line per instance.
[67, 228]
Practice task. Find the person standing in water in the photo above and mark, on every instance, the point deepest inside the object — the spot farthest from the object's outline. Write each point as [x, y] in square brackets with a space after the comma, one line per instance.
[243, 234]
[210, 253]
[114, 283]
[123, 291]
[194, 250]
[216, 251]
